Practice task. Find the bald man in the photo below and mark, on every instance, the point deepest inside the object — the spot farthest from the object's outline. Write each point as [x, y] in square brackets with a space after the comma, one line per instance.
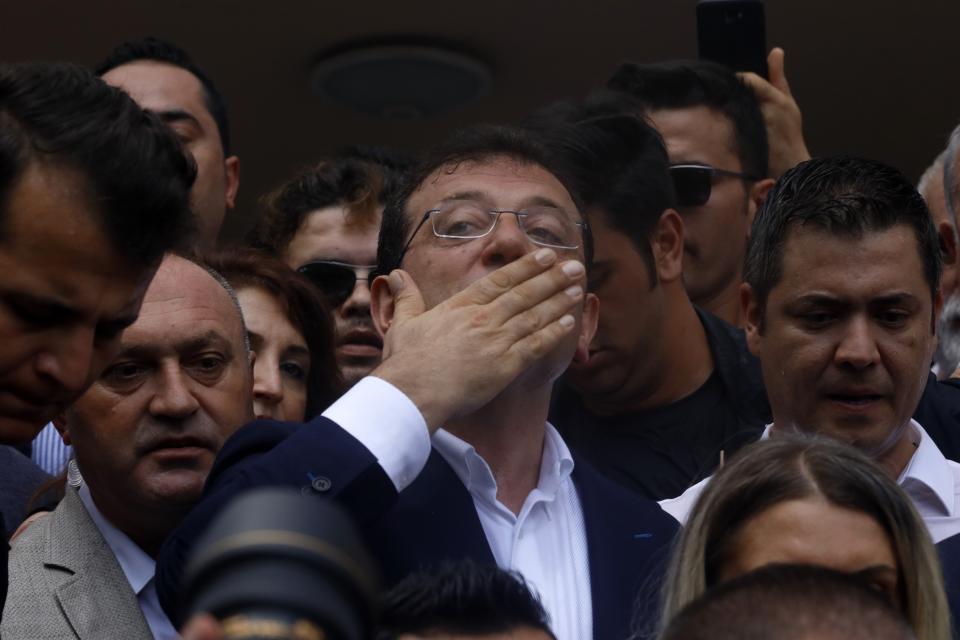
[144, 435]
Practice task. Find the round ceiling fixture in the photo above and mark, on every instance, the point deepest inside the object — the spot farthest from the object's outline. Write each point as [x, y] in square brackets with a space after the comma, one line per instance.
[401, 80]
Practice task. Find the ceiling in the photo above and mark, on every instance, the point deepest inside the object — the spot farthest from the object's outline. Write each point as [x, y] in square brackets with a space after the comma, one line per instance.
[873, 77]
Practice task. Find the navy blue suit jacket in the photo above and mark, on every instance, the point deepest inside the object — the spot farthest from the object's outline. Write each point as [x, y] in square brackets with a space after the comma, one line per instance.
[432, 520]
[949, 550]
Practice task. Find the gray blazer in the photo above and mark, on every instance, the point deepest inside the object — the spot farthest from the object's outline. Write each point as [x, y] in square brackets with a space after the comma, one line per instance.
[65, 583]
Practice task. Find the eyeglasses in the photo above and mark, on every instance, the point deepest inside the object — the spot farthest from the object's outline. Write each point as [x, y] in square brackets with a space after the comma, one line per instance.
[336, 280]
[466, 220]
[693, 182]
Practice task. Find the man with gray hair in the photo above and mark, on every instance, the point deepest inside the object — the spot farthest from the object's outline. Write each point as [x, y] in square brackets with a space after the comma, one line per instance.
[932, 187]
[145, 436]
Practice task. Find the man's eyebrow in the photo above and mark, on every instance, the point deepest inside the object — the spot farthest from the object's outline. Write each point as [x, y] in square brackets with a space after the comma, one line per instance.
[900, 297]
[190, 344]
[823, 299]
[171, 116]
[50, 306]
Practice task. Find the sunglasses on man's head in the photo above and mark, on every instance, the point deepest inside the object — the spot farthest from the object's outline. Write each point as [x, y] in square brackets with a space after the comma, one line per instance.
[694, 182]
[336, 280]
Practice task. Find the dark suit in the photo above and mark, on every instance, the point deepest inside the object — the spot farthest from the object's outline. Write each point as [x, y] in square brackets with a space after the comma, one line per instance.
[949, 551]
[433, 519]
[939, 414]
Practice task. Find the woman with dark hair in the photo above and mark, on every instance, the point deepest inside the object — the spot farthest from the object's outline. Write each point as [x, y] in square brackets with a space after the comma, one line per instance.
[797, 500]
[295, 372]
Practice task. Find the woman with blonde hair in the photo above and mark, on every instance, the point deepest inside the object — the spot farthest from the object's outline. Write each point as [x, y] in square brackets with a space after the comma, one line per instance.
[797, 500]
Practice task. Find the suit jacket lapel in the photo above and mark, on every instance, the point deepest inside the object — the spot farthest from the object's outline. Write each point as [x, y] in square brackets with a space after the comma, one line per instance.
[434, 520]
[627, 543]
[97, 599]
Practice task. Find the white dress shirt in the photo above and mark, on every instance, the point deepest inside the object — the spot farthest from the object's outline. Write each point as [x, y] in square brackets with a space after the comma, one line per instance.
[137, 566]
[931, 481]
[546, 543]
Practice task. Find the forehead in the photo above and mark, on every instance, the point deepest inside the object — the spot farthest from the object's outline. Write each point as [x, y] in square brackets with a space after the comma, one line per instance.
[265, 313]
[158, 86]
[875, 263]
[814, 531]
[333, 233]
[184, 302]
[697, 134]
[499, 181]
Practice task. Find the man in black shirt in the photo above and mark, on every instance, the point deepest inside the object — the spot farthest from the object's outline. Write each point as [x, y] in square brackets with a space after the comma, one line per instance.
[667, 390]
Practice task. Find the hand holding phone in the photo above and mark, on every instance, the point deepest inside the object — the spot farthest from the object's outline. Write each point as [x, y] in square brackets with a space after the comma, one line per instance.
[781, 114]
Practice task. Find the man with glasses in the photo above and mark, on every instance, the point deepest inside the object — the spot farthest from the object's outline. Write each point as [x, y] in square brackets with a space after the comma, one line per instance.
[445, 453]
[324, 223]
[717, 144]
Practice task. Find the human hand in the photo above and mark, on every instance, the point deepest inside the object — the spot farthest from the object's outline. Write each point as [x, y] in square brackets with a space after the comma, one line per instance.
[459, 355]
[781, 114]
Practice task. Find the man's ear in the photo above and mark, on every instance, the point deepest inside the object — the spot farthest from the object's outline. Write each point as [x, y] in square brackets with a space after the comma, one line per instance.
[232, 170]
[757, 194]
[60, 423]
[588, 327]
[667, 246]
[937, 309]
[752, 315]
[381, 304]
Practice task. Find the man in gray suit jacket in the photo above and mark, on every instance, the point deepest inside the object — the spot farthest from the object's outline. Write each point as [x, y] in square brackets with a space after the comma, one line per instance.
[145, 435]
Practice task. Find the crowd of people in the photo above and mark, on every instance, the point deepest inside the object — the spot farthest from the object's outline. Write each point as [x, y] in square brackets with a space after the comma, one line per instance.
[637, 366]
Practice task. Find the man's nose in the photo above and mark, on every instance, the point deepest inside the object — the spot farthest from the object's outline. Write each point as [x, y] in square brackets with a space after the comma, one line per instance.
[858, 346]
[67, 361]
[174, 397]
[506, 242]
[359, 300]
[267, 385]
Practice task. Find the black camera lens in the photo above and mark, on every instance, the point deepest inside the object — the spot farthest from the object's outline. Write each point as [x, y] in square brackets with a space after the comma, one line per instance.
[277, 564]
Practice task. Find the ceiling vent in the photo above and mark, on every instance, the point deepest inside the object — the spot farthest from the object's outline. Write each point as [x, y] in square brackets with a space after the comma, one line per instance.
[401, 80]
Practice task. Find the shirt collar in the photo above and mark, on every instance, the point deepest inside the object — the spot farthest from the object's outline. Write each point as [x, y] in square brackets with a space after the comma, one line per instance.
[137, 566]
[927, 473]
[556, 463]
[930, 472]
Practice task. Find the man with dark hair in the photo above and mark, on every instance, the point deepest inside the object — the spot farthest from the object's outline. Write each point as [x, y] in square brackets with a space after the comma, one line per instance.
[668, 389]
[444, 452]
[163, 79]
[324, 222]
[717, 144]
[144, 436]
[840, 301]
[462, 600]
[790, 602]
[92, 192]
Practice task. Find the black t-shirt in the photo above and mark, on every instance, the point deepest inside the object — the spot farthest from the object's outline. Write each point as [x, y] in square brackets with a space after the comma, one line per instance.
[659, 452]
[662, 451]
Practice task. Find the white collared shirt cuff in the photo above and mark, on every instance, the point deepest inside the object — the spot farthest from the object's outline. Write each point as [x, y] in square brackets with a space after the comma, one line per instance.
[388, 424]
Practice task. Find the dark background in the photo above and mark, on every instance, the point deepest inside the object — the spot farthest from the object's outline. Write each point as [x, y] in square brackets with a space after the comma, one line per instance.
[875, 78]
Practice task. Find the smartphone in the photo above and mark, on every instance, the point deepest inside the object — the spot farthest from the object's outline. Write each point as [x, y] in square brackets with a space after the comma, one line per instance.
[733, 33]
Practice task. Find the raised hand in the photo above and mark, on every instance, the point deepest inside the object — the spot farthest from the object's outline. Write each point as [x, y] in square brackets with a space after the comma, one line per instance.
[781, 113]
[457, 356]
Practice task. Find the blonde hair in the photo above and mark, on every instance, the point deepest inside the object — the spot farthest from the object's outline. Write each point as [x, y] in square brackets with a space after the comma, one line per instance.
[795, 467]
